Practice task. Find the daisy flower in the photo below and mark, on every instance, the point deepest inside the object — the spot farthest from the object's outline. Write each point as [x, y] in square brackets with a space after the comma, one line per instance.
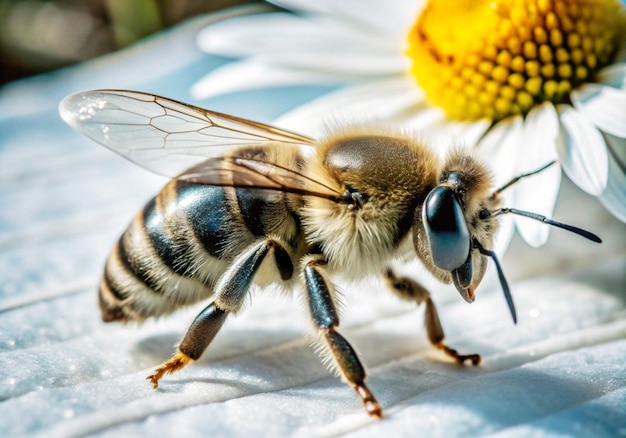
[523, 82]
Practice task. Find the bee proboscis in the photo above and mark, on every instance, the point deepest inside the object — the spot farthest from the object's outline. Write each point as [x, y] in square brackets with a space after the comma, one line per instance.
[249, 203]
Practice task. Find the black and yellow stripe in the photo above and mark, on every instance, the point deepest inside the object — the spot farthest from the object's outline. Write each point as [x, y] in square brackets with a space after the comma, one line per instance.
[178, 246]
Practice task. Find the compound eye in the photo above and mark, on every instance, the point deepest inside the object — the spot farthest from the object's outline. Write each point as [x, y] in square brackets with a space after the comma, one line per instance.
[446, 229]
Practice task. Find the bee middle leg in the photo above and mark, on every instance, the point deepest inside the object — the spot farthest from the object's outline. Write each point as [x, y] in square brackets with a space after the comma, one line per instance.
[230, 292]
[411, 290]
[325, 318]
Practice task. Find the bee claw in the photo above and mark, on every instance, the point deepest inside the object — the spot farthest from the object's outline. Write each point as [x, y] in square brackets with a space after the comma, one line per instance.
[154, 379]
[374, 410]
[460, 358]
[474, 358]
[171, 366]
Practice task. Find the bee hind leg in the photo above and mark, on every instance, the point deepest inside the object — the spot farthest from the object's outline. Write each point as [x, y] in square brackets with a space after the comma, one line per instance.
[322, 308]
[230, 292]
[197, 338]
[411, 290]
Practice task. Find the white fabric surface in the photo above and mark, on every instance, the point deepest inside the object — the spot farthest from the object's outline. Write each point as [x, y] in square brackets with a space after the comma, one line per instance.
[64, 201]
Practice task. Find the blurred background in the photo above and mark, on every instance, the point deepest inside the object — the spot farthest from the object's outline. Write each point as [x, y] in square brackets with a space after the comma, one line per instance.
[37, 36]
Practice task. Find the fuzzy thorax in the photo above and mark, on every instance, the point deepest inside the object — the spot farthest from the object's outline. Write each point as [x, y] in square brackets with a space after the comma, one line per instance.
[389, 175]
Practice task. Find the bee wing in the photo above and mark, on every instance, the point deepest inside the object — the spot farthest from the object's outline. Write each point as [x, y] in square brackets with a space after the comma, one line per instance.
[163, 135]
[248, 172]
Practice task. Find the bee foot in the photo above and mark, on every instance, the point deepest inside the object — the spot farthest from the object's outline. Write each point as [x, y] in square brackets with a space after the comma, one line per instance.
[369, 401]
[169, 367]
[474, 358]
[460, 358]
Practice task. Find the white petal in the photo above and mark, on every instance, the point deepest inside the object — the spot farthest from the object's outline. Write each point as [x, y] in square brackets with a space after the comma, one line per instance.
[506, 231]
[374, 100]
[604, 106]
[614, 196]
[541, 129]
[582, 151]
[433, 126]
[327, 46]
[463, 134]
[250, 74]
[617, 148]
[392, 16]
[537, 193]
[364, 66]
[288, 35]
[613, 76]
[472, 132]
[427, 120]
[500, 148]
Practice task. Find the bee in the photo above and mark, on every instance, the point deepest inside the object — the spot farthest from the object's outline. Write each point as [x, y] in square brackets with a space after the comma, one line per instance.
[250, 204]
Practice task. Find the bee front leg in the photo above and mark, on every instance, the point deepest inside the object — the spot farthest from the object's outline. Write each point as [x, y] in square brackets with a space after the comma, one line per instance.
[230, 292]
[411, 290]
[325, 317]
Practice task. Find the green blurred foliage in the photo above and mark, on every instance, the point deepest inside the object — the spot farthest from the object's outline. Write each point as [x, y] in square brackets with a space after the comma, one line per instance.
[41, 35]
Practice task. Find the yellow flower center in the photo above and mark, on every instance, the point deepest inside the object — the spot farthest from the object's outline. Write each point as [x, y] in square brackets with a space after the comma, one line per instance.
[494, 58]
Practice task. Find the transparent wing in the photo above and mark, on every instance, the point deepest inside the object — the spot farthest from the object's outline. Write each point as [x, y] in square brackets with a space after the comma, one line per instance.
[163, 135]
[248, 172]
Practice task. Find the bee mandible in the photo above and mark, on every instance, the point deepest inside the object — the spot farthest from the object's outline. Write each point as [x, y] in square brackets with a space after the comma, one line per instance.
[251, 204]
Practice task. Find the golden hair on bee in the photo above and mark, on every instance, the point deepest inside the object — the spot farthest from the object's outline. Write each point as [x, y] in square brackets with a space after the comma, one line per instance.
[387, 173]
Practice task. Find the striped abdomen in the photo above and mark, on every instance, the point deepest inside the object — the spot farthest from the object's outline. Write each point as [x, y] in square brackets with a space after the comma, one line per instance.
[175, 250]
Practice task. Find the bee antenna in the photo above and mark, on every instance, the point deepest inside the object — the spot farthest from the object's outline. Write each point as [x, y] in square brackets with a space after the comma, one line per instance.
[505, 285]
[518, 177]
[584, 233]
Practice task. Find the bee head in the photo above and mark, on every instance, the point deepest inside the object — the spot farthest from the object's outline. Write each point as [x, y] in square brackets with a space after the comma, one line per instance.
[454, 230]
[450, 226]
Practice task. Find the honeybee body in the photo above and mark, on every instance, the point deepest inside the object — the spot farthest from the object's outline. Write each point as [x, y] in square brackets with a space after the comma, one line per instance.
[178, 246]
[253, 204]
